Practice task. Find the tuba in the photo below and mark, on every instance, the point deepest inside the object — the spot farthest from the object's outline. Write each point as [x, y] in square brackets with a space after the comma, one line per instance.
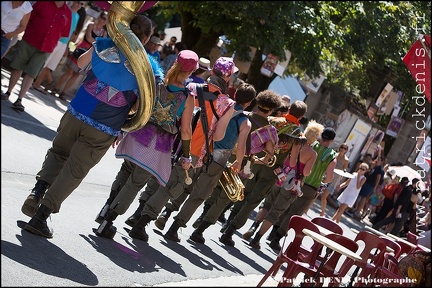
[232, 184]
[120, 15]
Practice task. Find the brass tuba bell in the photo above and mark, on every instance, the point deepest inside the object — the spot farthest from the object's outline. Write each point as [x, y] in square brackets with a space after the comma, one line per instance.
[120, 15]
[232, 184]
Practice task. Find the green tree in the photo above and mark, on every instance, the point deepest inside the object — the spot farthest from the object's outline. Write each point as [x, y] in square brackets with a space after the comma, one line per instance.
[344, 40]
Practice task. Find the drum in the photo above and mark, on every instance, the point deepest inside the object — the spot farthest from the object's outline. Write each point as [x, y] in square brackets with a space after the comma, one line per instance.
[262, 135]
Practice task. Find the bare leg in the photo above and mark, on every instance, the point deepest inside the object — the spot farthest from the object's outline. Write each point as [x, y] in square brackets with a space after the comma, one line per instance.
[68, 73]
[25, 86]
[324, 201]
[70, 82]
[43, 75]
[15, 76]
[339, 212]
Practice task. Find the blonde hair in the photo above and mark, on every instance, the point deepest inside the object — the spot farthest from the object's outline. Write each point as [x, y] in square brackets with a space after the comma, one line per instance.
[364, 165]
[175, 73]
[313, 131]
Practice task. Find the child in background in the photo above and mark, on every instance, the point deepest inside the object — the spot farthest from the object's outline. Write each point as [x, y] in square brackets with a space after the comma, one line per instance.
[349, 195]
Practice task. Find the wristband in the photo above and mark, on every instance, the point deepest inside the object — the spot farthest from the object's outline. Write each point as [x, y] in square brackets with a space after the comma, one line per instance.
[186, 148]
[186, 160]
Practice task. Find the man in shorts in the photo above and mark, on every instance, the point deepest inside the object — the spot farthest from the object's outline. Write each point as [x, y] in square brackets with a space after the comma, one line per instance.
[49, 21]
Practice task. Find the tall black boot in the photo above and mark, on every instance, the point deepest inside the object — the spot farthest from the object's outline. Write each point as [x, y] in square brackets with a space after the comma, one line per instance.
[32, 202]
[106, 229]
[255, 242]
[248, 234]
[226, 237]
[272, 233]
[38, 224]
[221, 217]
[163, 217]
[201, 217]
[171, 234]
[227, 223]
[274, 244]
[197, 235]
[132, 220]
[138, 231]
[103, 213]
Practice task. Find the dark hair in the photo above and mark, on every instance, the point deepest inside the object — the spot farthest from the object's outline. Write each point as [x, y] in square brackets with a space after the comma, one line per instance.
[180, 46]
[268, 100]
[80, 25]
[283, 108]
[245, 93]
[298, 109]
[141, 26]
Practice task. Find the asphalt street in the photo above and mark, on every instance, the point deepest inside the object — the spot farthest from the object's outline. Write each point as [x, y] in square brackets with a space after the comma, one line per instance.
[76, 256]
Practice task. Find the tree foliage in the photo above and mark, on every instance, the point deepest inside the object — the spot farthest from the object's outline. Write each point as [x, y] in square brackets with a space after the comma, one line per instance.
[343, 40]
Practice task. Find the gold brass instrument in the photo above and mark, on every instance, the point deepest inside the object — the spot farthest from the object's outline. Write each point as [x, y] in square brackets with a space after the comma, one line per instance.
[232, 184]
[120, 15]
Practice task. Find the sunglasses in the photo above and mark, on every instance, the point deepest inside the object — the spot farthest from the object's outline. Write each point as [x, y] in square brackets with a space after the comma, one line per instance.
[345, 148]
[103, 18]
[363, 169]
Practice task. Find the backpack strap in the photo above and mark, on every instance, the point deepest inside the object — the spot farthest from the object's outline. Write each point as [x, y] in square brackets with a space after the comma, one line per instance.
[205, 126]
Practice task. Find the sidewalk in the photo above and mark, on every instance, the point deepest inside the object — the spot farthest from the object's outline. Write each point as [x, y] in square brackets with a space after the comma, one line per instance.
[233, 281]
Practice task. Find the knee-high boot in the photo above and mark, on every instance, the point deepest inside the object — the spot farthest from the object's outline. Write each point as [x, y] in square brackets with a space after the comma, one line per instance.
[197, 222]
[272, 233]
[38, 224]
[106, 229]
[171, 234]
[227, 223]
[138, 230]
[197, 235]
[104, 211]
[255, 242]
[163, 217]
[248, 234]
[132, 220]
[226, 237]
[274, 244]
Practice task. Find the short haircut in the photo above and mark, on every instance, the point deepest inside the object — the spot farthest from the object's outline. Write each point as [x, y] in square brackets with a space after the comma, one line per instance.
[267, 100]
[245, 93]
[298, 109]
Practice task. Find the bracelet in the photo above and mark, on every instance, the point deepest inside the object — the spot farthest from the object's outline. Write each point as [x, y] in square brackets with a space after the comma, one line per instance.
[186, 160]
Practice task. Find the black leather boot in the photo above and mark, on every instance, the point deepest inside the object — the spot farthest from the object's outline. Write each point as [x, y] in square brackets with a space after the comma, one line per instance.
[163, 217]
[132, 220]
[197, 235]
[197, 222]
[228, 221]
[274, 244]
[32, 202]
[171, 234]
[248, 234]
[255, 242]
[38, 224]
[272, 233]
[106, 229]
[226, 237]
[138, 231]
[103, 213]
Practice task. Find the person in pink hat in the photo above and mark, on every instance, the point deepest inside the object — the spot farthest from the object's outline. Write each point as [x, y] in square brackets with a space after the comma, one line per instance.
[147, 151]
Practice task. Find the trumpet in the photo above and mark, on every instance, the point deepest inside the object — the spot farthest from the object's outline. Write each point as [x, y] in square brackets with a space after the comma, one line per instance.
[232, 184]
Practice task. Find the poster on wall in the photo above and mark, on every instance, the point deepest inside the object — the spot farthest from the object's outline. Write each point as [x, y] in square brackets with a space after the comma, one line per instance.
[356, 138]
[394, 126]
[424, 155]
[269, 65]
[375, 138]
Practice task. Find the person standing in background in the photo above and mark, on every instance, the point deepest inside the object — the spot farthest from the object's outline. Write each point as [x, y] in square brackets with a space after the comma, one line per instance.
[67, 80]
[60, 50]
[49, 21]
[14, 18]
[152, 48]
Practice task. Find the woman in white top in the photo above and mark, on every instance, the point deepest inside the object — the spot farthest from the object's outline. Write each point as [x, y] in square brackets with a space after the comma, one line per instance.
[14, 18]
[349, 195]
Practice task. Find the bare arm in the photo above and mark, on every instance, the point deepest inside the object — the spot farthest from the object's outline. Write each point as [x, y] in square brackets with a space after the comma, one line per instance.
[186, 119]
[360, 181]
[245, 128]
[309, 164]
[85, 58]
[330, 171]
[294, 155]
[22, 26]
